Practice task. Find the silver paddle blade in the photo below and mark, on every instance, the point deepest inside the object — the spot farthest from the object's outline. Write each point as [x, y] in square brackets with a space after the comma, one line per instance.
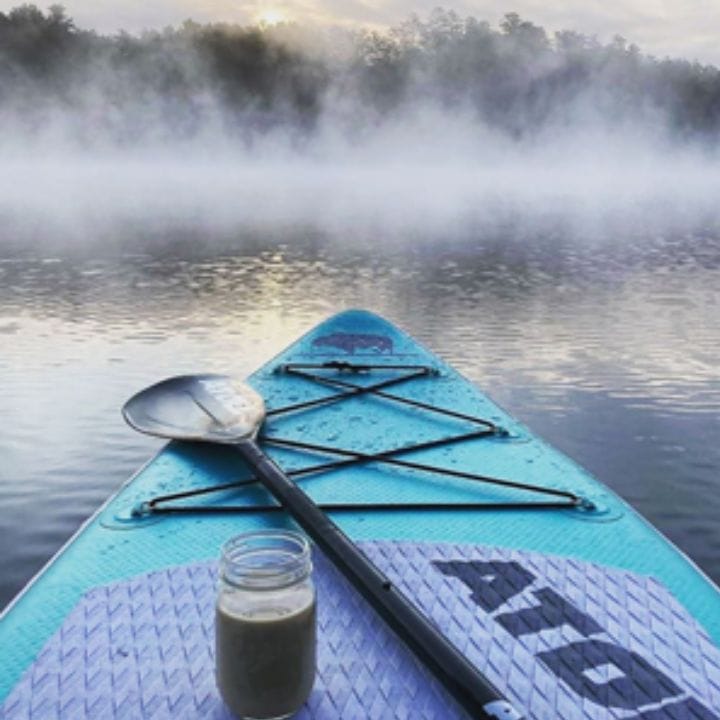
[215, 408]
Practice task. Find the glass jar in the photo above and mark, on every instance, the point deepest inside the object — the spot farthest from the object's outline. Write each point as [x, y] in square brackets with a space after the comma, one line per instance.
[265, 624]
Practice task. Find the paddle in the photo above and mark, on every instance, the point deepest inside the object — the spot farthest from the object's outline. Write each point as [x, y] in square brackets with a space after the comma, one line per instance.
[217, 409]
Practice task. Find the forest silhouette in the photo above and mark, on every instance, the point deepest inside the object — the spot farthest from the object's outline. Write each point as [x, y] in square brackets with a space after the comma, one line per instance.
[246, 81]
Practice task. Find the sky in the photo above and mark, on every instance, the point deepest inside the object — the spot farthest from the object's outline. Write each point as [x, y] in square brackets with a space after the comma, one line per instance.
[675, 28]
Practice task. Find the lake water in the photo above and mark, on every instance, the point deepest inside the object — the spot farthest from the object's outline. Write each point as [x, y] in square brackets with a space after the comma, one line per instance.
[605, 345]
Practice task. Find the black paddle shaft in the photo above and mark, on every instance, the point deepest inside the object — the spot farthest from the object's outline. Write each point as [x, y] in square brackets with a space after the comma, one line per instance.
[470, 688]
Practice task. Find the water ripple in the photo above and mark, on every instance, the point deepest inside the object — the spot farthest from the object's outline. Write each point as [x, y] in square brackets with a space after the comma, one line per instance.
[607, 347]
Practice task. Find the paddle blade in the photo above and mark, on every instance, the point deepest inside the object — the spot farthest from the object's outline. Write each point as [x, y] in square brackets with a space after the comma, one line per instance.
[208, 407]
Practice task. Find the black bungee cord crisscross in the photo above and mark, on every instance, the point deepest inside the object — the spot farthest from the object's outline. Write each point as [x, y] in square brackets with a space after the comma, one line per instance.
[348, 457]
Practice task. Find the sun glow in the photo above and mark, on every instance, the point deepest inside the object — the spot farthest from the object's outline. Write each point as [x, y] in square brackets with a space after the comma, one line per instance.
[271, 16]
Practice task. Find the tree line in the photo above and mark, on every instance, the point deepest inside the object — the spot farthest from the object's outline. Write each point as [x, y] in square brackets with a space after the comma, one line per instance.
[183, 81]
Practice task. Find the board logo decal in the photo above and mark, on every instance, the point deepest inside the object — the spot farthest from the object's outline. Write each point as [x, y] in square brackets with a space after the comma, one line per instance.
[351, 343]
[595, 668]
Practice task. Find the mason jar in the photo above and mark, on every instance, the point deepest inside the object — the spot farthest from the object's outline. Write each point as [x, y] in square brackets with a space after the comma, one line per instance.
[265, 624]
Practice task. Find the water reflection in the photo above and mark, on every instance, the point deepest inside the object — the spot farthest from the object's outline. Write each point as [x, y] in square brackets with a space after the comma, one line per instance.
[605, 346]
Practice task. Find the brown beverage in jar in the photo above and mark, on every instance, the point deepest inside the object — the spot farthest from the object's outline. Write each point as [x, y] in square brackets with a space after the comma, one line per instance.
[266, 662]
[265, 633]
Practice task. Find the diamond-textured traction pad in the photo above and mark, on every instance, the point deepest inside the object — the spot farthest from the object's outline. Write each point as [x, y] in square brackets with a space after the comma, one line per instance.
[143, 648]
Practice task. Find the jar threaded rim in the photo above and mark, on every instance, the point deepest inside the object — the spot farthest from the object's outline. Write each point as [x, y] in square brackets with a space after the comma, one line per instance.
[266, 559]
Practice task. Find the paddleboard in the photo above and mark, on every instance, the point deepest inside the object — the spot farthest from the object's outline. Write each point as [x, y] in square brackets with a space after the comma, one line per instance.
[556, 589]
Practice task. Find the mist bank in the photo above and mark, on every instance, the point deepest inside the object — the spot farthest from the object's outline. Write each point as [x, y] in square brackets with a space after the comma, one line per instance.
[60, 84]
[358, 201]
[443, 126]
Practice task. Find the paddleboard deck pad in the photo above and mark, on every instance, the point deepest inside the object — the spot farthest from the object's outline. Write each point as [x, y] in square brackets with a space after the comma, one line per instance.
[557, 591]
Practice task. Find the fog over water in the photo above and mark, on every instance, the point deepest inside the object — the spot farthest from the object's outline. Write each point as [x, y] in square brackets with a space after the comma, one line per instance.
[441, 120]
[364, 190]
[538, 208]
